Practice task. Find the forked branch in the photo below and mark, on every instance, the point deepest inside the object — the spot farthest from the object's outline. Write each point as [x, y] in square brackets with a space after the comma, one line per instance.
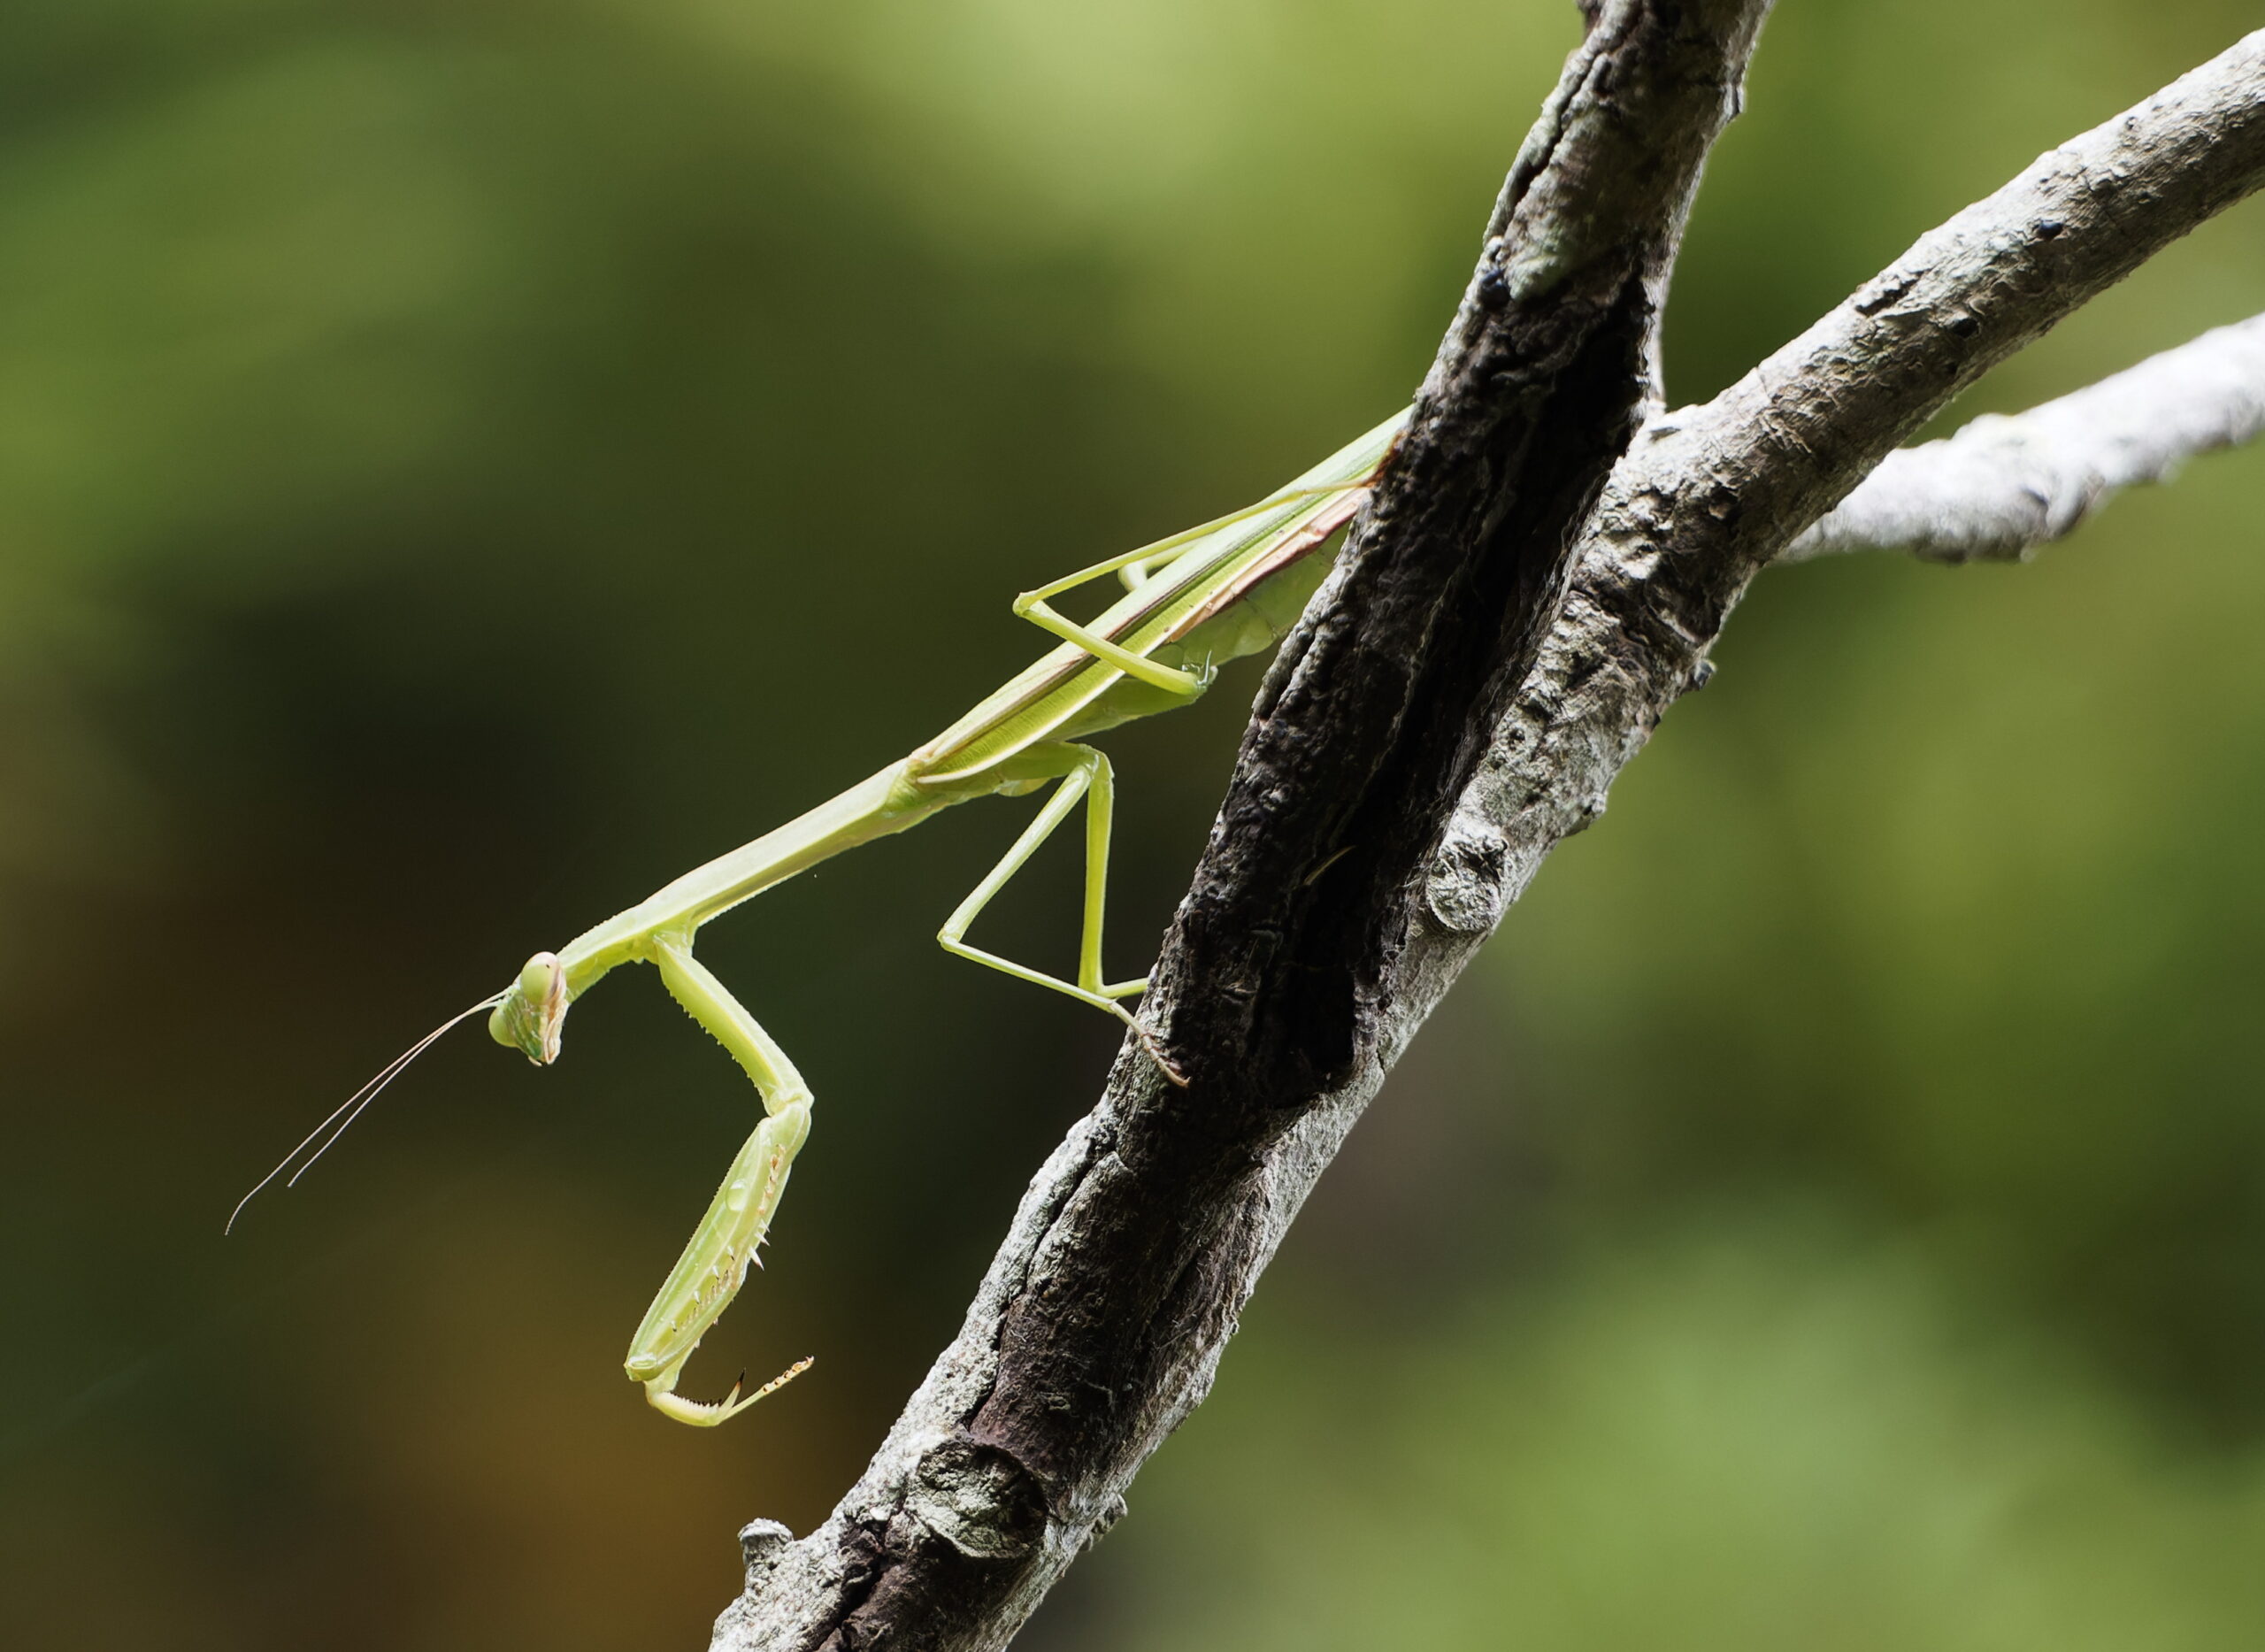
[1436, 724]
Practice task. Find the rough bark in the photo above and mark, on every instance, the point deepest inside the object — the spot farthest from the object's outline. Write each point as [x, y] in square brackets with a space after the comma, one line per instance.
[1436, 724]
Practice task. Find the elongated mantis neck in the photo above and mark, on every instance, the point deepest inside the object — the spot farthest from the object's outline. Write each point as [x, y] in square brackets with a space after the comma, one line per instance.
[875, 807]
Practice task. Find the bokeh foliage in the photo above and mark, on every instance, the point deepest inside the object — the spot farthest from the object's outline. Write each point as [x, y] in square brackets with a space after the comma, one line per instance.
[461, 464]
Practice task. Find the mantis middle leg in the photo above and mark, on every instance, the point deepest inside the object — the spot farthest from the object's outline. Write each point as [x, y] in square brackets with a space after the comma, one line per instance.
[1085, 775]
[722, 1248]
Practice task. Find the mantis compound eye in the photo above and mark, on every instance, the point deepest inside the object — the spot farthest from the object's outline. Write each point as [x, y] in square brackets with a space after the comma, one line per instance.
[538, 979]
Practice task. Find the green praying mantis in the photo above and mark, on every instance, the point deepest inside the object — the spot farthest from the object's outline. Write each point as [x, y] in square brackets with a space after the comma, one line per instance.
[1213, 592]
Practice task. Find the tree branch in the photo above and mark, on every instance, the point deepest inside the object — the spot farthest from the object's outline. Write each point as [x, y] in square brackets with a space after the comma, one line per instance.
[2002, 485]
[1099, 1325]
[1373, 836]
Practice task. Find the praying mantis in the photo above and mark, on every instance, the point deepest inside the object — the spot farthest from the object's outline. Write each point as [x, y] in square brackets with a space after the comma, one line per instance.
[1213, 592]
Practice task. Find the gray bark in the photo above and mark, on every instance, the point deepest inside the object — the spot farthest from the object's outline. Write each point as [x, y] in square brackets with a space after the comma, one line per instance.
[1437, 724]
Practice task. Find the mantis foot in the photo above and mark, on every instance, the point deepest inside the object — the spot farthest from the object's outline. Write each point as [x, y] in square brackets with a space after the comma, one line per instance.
[1154, 1050]
[661, 1395]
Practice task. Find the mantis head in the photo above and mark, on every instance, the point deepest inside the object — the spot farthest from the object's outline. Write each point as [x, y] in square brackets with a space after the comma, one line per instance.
[530, 1015]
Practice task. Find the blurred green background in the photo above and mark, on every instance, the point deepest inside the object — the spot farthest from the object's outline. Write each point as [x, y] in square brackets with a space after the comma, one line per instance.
[462, 465]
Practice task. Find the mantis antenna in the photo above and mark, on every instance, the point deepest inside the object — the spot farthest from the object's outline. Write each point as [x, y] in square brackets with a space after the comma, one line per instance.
[351, 1108]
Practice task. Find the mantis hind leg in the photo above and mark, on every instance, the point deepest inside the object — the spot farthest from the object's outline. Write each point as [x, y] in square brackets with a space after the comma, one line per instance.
[1085, 776]
[1134, 568]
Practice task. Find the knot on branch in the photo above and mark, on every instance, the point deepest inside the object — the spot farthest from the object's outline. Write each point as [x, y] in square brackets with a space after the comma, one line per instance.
[760, 1543]
[979, 1499]
[1468, 889]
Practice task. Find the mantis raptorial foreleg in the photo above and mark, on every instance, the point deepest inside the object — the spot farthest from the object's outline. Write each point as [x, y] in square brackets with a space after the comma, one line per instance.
[1085, 775]
[722, 1248]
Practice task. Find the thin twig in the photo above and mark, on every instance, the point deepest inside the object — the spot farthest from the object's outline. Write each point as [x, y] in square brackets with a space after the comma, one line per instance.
[2007, 483]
